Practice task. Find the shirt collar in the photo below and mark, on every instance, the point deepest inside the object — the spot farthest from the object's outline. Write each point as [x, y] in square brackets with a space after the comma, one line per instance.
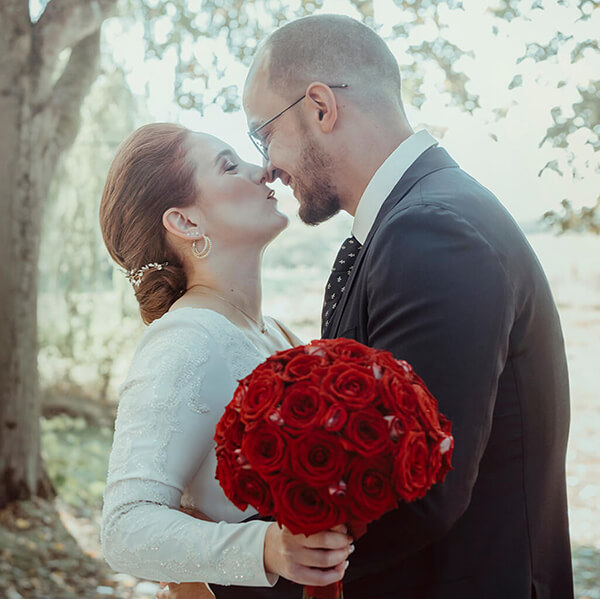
[385, 179]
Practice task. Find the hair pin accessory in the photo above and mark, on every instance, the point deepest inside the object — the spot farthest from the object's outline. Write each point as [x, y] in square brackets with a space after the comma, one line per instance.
[135, 276]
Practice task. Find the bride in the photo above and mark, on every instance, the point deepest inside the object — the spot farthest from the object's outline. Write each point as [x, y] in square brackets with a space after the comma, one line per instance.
[189, 221]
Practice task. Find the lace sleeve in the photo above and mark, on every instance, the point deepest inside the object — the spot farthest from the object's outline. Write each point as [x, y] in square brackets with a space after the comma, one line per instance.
[176, 390]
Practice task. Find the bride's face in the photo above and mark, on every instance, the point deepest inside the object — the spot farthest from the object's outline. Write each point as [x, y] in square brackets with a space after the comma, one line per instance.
[237, 207]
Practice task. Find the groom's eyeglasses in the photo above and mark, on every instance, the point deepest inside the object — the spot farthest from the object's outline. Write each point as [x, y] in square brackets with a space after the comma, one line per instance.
[257, 140]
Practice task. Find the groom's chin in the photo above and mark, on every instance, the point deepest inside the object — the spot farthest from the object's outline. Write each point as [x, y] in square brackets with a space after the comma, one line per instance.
[314, 211]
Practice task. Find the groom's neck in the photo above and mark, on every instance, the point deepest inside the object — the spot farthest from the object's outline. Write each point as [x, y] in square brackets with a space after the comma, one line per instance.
[370, 142]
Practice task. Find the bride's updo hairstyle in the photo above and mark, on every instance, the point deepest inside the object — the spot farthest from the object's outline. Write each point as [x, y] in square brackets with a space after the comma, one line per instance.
[150, 173]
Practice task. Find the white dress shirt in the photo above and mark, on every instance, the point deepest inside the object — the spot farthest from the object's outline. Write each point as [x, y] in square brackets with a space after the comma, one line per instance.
[385, 179]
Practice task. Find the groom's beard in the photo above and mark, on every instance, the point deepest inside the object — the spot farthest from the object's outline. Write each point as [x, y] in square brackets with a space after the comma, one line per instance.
[317, 197]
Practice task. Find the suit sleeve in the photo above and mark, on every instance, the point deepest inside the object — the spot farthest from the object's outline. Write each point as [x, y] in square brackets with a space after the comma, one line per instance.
[439, 297]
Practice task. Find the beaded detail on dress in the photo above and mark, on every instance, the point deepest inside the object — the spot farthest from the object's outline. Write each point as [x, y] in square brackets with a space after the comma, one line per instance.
[182, 376]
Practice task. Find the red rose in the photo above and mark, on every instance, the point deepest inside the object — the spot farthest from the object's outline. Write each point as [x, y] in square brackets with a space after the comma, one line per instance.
[396, 392]
[445, 424]
[252, 489]
[230, 428]
[318, 458]
[226, 474]
[265, 389]
[278, 360]
[304, 509]
[239, 394]
[411, 478]
[273, 365]
[348, 350]
[265, 449]
[387, 361]
[369, 490]
[335, 418]
[439, 458]
[353, 385]
[367, 433]
[302, 406]
[301, 366]
[399, 425]
[427, 410]
[318, 374]
[441, 452]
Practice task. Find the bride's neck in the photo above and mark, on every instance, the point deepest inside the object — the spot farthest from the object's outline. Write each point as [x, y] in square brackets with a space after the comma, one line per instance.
[235, 278]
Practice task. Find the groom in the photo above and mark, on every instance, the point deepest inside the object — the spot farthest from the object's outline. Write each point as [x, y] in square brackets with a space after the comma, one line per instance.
[438, 273]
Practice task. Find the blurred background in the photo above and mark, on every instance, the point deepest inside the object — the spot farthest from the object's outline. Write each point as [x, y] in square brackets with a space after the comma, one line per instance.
[510, 88]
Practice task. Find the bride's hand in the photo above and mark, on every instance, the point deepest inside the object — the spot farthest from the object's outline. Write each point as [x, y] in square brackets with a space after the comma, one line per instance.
[316, 560]
[185, 590]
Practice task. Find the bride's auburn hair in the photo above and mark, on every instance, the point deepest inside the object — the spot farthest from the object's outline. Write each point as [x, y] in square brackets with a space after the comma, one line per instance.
[150, 173]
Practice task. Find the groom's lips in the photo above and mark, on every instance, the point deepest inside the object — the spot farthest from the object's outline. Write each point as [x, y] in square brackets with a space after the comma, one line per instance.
[271, 194]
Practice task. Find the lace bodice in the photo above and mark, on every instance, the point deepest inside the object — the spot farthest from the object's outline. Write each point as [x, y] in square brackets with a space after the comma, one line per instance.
[183, 374]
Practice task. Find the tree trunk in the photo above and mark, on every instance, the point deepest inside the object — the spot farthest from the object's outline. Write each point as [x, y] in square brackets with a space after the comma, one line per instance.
[39, 120]
[21, 472]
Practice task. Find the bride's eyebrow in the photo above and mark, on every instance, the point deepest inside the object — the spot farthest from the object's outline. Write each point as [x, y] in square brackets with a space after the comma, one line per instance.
[223, 154]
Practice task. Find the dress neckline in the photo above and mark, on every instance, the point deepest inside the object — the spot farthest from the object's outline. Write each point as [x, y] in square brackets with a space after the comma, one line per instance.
[268, 320]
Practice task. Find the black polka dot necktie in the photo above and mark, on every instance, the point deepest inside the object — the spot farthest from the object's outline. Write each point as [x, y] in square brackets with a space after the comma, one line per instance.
[342, 267]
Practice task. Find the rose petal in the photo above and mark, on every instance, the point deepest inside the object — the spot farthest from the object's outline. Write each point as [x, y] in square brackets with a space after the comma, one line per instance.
[445, 444]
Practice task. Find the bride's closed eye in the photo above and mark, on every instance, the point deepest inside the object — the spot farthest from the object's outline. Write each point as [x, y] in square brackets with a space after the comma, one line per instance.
[229, 166]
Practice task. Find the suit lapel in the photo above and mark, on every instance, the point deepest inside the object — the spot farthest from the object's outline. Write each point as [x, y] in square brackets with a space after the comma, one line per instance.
[433, 159]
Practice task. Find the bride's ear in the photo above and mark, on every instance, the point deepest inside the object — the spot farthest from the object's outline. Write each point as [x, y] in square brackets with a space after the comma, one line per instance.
[182, 223]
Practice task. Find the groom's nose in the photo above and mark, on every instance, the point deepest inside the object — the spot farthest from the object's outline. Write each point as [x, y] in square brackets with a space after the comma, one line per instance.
[270, 172]
[275, 173]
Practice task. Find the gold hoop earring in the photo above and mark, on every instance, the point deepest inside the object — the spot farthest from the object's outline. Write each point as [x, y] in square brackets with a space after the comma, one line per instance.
[205, 251]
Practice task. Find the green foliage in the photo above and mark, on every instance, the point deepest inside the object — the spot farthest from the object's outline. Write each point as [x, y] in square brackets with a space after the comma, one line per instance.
[235, 27]
[76, 457]
[586, 219]
[586, 114]
[77, 350]
[84, 339]
[583, 115]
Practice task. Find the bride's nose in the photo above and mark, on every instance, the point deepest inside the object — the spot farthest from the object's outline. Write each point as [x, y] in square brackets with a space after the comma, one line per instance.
[260, 175]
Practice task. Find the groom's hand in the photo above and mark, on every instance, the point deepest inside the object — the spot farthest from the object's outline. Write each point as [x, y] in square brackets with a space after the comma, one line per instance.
[316, 560]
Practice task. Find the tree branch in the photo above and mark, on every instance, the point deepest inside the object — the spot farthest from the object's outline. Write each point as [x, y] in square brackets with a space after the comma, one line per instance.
[72, 88]
[63, 24]
[15, 31]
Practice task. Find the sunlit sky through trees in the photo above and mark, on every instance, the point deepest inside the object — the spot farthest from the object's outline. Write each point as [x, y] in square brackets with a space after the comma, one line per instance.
[498, 142]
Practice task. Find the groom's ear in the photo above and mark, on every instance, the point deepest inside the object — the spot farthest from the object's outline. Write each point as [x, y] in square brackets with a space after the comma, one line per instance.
[322, 105]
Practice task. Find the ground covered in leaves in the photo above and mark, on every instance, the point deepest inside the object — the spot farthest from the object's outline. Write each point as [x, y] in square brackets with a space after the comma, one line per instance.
[39, 559]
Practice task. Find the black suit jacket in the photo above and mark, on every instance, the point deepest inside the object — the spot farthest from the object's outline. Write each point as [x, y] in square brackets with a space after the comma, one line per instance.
[447, 281]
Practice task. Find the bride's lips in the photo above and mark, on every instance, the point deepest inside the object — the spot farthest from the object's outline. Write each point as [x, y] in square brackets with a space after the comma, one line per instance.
[271, 195]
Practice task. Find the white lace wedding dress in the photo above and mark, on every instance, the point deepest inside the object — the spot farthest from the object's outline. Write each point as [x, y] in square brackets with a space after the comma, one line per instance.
[183, 374]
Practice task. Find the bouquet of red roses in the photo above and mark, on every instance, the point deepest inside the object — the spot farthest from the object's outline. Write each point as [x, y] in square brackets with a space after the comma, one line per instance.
[331, 433]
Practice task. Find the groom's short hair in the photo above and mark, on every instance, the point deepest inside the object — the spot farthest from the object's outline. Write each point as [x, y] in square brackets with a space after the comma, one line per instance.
[332, 49]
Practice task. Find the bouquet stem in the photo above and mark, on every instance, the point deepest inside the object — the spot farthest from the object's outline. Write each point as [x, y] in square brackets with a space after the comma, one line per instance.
[331, 591]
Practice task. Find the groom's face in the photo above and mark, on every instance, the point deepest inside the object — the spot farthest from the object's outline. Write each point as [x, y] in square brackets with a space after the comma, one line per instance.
[295, 155]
